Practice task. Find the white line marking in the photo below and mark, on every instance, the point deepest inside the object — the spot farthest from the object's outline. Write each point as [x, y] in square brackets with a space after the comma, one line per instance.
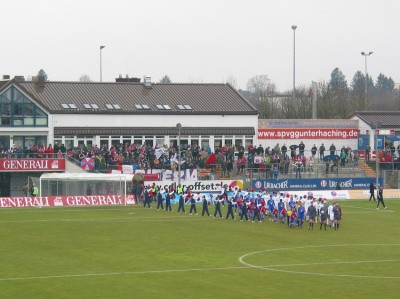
[368, 209]
[120, 273]
[155, 219]
[332, 263]
[241, 260]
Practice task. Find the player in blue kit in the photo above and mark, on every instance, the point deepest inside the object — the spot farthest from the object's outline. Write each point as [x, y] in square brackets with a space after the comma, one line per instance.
[292, 203]
[271, 206]
[281, 206]
[300, 214]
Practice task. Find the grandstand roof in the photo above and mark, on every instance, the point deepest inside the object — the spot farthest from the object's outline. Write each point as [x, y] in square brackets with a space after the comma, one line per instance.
[385, 119]
[136, 98]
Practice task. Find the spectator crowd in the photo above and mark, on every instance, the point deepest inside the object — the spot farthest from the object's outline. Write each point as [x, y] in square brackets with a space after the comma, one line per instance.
[270, 162]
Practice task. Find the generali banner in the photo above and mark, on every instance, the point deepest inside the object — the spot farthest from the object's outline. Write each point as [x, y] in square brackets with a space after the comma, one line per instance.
[32, 164]
[67, 201]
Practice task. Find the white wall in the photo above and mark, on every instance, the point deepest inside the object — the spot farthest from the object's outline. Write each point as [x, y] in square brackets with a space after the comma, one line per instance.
[107, 120]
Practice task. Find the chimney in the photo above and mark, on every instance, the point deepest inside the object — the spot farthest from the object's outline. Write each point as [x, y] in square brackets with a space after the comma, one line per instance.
[120, 79]
[147, 82]
[41, 81]
[19, 79]
[6, 77]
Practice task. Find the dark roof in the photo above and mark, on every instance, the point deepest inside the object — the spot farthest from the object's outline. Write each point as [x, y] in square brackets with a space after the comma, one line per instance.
[386, 119]
[87, 131]
[2, 83]
[202, 98]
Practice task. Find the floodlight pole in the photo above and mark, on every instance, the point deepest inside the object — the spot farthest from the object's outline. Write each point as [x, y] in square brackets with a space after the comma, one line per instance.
[376, 154]
[294, 27]
[101, 64]
[179, 126]
[366, 54]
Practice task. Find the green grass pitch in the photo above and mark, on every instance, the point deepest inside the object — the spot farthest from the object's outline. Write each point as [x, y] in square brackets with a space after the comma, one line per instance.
[132, 252]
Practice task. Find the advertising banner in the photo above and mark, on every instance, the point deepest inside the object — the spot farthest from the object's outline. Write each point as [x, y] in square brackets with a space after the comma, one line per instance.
[313, 184]
[307, 123]
[296, 133]
[199, 186]
[11, 165]
[163, 174]
[67, 201]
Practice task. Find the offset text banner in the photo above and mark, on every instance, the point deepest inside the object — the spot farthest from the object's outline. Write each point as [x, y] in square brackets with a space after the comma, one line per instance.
[32, 165]
[308, 133]
[199, 186]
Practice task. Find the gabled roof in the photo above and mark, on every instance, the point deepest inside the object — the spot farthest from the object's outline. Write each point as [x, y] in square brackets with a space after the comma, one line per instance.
[128, 97]
[386, 119]
[2, 83]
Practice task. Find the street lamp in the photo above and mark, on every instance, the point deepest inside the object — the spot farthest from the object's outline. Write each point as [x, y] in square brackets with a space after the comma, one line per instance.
[294, 27]
[101, 65]
[365, 54]
[179, 126]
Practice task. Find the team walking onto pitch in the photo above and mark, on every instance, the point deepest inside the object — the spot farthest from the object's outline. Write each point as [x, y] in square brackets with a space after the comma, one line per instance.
[276, 207]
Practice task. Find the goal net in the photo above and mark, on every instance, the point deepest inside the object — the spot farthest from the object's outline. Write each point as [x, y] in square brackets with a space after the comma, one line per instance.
[69, 184]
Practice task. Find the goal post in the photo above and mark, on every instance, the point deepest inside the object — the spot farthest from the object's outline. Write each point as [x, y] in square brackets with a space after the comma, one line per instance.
[84, 184]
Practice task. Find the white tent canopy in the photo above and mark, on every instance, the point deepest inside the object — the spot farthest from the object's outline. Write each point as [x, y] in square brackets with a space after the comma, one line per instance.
[86, 176]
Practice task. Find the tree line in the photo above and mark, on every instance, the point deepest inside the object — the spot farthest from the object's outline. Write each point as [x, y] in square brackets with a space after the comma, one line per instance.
[335, 98]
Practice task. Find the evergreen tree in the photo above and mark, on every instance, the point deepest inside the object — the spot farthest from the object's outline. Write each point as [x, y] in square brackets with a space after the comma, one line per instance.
[166, 79]
[43, 74]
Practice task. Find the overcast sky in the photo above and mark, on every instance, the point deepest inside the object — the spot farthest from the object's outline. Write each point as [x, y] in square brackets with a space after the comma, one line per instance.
[200, 41]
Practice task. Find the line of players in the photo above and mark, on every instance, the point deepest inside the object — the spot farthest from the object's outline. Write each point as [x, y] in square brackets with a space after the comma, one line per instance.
[277, 207]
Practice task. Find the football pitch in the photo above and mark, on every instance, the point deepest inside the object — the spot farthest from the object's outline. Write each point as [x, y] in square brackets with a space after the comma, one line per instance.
[132, 252]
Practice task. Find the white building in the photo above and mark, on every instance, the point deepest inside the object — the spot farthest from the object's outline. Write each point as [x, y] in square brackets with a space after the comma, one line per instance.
[87, 113]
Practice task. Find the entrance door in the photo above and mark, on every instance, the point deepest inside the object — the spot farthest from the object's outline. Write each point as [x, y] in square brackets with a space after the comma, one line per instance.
[5, 187]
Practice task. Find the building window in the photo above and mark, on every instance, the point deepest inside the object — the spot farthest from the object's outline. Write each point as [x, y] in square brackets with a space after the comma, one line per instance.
[16, 110]
[163, 107]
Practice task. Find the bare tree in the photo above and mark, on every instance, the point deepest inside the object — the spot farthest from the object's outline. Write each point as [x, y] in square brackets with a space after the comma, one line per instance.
[262, 89]
[231, 80]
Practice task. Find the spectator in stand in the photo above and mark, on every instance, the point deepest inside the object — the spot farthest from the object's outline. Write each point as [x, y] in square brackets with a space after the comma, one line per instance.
[298, 164]
[392, 150]
[56, 147]
[284, 150]
[321, 152]
[258, 160]
[260, 150]
[240, 149]
[286, 164]
[293, 151]
[313, 151]
[367, 152]
[267, 151]
[276, 173]
[301, 148]
[208, 149]
[277, 149]
[49, 151]
[241, 164]
[332, 149]
[343, 157]
[25, 189]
